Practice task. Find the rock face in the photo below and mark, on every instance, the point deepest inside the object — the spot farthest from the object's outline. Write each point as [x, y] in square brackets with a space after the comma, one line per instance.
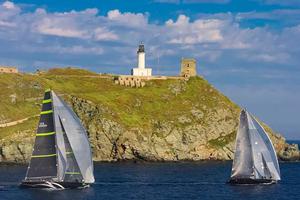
[16, 150]
[166, 141]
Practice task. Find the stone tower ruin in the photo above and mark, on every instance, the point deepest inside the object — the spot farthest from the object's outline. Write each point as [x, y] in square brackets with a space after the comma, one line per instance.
[188, 67]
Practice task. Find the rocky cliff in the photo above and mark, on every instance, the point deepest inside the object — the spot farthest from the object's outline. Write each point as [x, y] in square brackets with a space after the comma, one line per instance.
[167, 120]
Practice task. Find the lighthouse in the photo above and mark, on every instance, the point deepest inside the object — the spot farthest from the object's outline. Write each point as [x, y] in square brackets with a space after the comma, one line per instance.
[141, 70]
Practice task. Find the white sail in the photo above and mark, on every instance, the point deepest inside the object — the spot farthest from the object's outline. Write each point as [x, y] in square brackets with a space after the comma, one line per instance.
[255, 156]
[61, 150]
[243, 162]
[78, 139]
[262, 148]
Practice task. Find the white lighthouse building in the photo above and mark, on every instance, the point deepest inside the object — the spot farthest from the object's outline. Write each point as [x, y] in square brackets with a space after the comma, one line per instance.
[141, 70]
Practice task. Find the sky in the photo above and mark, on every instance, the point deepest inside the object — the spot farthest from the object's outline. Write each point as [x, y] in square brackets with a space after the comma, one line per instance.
[247, 49]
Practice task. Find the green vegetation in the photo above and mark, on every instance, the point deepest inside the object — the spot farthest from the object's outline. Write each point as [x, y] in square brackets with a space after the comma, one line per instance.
[29, 125]
[159, 100]
[70, 71]
[222, 141]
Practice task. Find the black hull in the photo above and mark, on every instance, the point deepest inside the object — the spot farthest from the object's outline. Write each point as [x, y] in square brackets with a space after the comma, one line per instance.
[251, 181]
[52, 185]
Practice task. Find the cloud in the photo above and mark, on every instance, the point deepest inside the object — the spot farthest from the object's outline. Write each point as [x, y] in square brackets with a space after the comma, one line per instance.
[8, 5]
[199, 31]
[127, 18]
[208, 37]
[70, 24]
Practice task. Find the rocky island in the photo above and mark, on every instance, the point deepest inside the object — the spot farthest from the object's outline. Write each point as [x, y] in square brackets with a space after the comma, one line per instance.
[167, 120]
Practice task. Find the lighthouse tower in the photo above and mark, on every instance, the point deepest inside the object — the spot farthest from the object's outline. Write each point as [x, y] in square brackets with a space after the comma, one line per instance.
[141, 70]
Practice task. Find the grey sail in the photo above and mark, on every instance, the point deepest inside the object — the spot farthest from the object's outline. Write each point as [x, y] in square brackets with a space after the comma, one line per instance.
[76, 137]
[263, 150]
[61, 149]
[72, 172]
[267, 171]
[243, 159]
[255, 157]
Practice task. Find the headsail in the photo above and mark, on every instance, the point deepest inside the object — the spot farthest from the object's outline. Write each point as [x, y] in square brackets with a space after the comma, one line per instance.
[263, 149]
[44, 156]
[72, 172]
[76, 138]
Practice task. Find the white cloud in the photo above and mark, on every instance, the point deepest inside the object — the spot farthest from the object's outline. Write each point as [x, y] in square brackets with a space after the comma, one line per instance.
[8, 5]
[127, 18]
[183, 31]
[59, 27]
[102, 34]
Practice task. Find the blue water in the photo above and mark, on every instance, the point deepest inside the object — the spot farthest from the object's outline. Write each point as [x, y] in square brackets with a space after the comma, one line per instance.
[155, 181]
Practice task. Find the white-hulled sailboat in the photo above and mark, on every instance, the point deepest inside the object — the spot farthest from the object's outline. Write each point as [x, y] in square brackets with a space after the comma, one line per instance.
[255, 160]
[62, 156]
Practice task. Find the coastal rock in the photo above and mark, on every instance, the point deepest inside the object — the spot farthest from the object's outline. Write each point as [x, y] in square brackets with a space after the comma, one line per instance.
[290, 153]
[17, 152]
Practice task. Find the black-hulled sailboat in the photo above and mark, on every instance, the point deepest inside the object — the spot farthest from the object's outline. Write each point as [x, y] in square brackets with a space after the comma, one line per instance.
[62, 155]
[255, 160]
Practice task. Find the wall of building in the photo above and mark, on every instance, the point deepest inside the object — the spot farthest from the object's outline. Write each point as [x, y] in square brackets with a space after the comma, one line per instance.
[10, 70]
[188, 67]
[141, 72]
[130, 81]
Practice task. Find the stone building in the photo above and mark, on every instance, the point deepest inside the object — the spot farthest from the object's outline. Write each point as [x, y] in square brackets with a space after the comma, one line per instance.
[9, 70]
[188, 67]
[130, 81]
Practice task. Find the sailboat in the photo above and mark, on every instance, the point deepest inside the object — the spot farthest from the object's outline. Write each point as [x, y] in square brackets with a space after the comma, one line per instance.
[255, 160]
[62, 156]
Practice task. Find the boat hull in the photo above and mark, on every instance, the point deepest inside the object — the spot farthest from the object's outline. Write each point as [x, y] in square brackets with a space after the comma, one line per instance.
[251, 181]
[52, 185]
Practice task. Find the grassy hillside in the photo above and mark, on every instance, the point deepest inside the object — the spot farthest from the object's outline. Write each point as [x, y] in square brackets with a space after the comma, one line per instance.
[171, 119]
[132, 107]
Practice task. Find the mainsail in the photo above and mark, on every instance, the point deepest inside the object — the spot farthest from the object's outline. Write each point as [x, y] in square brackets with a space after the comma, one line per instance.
[62, 151]
[243, 160]
[43, 159]
[255, 156]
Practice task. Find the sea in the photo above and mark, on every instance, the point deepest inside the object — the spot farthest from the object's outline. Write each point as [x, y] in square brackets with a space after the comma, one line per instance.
[205, 180]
